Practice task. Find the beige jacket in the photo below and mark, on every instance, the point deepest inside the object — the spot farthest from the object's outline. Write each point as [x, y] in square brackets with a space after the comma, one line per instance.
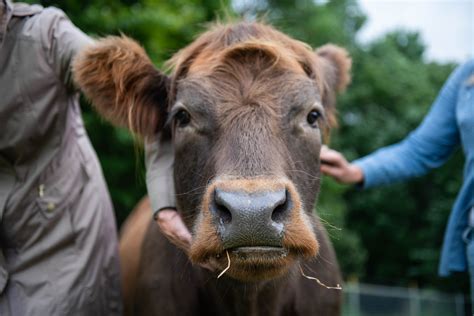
[58, 242]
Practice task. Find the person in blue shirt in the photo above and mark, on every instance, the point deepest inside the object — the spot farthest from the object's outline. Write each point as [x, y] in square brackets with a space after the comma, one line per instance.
[448, 125]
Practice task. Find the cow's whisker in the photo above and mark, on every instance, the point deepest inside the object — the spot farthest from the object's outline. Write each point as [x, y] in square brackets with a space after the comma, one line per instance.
[228, 265]
[191, 191]
[312, 176]
[337, 287]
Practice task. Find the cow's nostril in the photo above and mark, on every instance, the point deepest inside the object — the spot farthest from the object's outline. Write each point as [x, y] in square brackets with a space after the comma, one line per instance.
[223, 213]
[282, 210]
[221, 207]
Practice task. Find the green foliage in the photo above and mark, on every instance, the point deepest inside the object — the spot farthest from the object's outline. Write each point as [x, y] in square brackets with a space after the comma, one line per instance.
[401, 226]
[389, 235]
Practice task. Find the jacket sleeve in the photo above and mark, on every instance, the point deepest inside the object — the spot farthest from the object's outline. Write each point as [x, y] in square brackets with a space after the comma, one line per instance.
[61, 40]
[159, 160]
[428, 147]
[8, 180]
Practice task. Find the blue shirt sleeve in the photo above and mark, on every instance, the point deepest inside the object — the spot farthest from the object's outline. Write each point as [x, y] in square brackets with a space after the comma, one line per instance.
[428, 147]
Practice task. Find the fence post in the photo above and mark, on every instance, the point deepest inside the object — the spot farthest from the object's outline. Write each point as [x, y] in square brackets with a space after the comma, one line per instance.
[354, 297]
[414, 299]
[459, 299]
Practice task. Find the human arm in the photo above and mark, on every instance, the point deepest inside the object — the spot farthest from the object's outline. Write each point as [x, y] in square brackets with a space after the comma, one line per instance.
[62, 40]
[159, 160]
[428, 147]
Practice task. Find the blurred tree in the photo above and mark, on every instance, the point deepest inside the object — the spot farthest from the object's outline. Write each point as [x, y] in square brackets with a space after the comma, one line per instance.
[402, 225]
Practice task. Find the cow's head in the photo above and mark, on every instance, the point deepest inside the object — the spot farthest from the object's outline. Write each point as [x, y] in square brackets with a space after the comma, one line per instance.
[247, 108]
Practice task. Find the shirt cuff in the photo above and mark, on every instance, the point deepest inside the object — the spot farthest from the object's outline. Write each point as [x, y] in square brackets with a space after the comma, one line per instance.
[366, 165]
[159, 160]
[161, 193]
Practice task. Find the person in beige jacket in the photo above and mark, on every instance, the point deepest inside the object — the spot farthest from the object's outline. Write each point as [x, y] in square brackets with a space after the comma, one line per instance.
[58, 240]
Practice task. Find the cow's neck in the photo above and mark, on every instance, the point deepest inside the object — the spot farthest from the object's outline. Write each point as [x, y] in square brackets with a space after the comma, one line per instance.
[261, 298]
[243, 298]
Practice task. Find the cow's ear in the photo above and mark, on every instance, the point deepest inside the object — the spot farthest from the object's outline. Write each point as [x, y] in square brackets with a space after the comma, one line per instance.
[335, 65]
[116, 74]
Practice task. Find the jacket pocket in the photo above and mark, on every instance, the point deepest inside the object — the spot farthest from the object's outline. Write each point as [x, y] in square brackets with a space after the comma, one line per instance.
[48, 220]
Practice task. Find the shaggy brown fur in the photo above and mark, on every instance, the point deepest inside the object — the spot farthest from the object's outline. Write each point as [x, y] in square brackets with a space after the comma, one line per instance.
[329, 66]
[248, 90]
[131, 240]
[119, 78]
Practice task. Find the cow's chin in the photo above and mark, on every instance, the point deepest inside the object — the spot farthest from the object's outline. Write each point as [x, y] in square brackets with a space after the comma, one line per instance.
[257, 263]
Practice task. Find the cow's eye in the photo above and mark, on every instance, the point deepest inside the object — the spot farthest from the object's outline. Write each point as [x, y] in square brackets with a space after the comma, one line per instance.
[182, 118]
[313, 117]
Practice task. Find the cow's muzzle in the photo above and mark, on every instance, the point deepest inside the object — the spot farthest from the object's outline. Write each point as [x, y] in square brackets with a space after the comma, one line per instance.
[260, 222]
[250, 218]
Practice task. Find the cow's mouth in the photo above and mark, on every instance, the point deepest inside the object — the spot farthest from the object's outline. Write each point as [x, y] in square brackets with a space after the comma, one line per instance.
[259, 252]
[255, 263]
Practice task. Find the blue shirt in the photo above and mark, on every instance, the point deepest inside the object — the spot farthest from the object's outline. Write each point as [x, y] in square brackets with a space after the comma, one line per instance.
[449, 123]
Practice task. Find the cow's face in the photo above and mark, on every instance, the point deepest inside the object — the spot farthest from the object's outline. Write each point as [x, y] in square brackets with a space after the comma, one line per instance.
[247, 110]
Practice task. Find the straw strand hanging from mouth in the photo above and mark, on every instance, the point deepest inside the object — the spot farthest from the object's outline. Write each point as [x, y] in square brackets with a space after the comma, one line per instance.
[337, 287]
[228, 265]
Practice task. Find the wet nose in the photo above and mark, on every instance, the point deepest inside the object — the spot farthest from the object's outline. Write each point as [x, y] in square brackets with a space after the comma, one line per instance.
[251, 218]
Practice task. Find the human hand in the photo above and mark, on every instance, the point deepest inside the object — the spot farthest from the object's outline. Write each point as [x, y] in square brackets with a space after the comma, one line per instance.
[172, 226]
[335, 165]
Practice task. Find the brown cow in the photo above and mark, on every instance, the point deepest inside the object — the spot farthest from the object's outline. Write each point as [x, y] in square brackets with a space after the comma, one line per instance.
[246, 107]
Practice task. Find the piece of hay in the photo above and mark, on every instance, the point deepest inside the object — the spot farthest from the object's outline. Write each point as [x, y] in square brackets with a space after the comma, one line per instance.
[337, 287]
[228, 265]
